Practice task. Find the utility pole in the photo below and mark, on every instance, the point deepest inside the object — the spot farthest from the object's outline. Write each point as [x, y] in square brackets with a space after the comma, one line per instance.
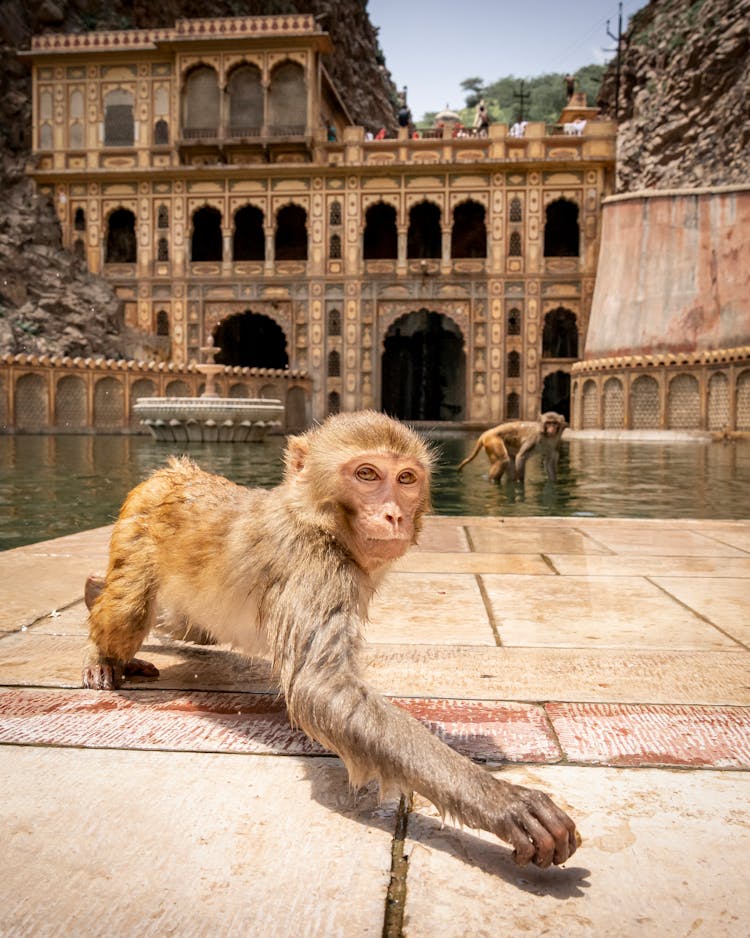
[616, 50]
[522, 98]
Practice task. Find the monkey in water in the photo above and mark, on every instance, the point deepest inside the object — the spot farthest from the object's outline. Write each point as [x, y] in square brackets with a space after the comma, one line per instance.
[289, 572]
[509, 445]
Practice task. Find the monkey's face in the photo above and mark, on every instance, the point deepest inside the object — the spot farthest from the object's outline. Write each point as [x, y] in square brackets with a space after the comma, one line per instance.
[383, 496]
[552, 424]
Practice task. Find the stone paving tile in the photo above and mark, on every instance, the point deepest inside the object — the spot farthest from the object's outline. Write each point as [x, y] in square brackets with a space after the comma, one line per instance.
[36, 579]
[595, 612]
[150, 844]
[38, 659]
[532, 539]
[567, 674]
[425, 562]
[734, 533]
[654, 863]
[725, 602]
[664, 540]
[629, 565]
[629, 735]
[446, 536]
[425, 608]
[69, 621]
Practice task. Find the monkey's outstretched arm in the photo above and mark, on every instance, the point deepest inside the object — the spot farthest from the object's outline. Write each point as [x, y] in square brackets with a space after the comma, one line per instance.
[377, 740]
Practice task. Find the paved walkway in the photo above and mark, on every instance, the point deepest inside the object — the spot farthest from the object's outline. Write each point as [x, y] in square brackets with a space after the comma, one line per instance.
[606, 661]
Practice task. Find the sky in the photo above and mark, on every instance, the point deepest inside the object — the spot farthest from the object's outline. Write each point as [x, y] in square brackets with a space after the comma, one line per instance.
[431, 46]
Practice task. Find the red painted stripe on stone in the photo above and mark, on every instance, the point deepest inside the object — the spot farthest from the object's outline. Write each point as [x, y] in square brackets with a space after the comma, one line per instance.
[641, 735]
[202, 722]
[212, 722]
[492, 731]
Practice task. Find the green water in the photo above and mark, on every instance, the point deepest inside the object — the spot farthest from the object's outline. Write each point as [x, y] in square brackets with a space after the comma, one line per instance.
[54, 485]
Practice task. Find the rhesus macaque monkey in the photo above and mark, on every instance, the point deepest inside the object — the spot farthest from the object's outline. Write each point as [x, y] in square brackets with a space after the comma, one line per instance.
[290, 572]
[509, 445]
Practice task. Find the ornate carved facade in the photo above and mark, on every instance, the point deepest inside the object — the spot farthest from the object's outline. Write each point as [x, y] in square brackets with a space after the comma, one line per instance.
[212, 174]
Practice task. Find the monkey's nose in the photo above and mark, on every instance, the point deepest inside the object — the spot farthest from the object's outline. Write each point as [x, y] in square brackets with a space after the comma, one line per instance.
[393, 516]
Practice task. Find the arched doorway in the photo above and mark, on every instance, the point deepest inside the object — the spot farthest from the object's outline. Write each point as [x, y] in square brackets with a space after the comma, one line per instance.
[251, 340]
[556, 394]
[424, 368]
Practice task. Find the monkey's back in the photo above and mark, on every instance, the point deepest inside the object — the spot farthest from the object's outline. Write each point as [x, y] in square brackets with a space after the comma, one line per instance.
[220, 554]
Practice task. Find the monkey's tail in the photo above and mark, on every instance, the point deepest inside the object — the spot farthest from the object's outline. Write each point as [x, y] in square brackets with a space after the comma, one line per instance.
[471, 456]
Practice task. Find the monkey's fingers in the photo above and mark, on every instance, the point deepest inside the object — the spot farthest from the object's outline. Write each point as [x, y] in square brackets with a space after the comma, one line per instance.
[102, 676]
[137, 667]
[542, 833]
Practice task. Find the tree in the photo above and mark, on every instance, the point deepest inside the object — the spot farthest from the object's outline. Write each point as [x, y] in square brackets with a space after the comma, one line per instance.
[476, 89]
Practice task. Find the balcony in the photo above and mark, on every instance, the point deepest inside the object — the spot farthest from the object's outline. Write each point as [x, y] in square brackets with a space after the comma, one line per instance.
[245, 144]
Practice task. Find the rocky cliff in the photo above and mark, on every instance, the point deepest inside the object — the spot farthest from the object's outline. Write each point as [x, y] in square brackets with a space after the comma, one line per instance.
[684, 101]
[49, 303]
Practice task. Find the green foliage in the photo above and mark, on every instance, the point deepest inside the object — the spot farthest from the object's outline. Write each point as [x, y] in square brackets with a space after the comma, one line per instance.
[544, 95]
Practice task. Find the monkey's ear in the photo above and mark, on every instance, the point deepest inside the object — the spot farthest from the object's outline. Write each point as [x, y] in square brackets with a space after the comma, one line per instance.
[297, 451]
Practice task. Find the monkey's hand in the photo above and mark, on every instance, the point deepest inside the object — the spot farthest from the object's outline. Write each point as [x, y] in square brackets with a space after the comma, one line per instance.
[100, 673]
[539, 831]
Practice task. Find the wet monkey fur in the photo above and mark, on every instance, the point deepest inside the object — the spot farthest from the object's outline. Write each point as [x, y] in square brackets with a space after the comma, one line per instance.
[289, 573]
[509, 445]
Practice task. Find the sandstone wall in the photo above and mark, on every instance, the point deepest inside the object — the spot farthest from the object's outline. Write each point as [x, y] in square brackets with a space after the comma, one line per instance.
[673, 274]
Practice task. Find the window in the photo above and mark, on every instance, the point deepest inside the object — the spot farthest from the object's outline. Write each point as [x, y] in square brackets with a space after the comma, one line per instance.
[381, 237]
[514, 322]
[334, 322]
[334, 216]
[121, 244]
[163, 250]
[334, 365]
[287, 100]
[245, 102]
[424, 238]
[161, 132]
[469, 234]
[291, 234]
[514, 365]
[561, 233]
[334, 249]
[516, 213]
[201, 103]
[514, 244]
[119, 124]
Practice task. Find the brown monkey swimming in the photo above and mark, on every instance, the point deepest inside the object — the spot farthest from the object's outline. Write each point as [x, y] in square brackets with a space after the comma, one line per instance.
[289, 572]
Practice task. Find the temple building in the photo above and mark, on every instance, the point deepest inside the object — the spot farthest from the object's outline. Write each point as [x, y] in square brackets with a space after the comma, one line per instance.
[211, 173]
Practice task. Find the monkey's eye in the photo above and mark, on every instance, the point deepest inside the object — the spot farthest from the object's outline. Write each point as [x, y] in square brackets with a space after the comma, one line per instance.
[407, 477]
[367, 474]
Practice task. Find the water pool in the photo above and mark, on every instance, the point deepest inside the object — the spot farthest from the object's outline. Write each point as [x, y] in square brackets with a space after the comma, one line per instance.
[54, 485]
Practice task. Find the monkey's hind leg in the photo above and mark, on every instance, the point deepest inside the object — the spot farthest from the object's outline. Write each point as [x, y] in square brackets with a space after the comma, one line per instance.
[121, 612]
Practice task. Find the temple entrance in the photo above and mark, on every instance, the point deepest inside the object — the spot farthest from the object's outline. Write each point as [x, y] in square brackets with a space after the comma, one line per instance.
[424, 368]
[556, 394]
[251, 340]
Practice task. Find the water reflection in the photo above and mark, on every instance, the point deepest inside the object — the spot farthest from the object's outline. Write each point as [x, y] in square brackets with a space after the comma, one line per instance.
[53, 485]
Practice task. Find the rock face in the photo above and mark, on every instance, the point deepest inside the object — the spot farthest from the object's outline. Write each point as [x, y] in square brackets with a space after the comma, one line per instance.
[49, 303]
[684, 101]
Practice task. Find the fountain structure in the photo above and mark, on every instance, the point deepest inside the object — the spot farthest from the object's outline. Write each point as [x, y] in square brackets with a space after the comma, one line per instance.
[210, 418]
